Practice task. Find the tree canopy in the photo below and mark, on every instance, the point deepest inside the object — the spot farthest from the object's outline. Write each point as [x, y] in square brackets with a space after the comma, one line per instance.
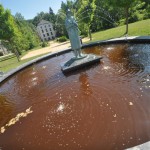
[96, 15]
[18, 33]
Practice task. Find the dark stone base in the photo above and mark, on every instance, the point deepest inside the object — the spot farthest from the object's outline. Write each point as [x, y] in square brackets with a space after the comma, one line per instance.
[73, 64]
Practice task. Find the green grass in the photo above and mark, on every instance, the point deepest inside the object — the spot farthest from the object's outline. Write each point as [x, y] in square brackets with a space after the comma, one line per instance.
[140, 28]
[12, 63]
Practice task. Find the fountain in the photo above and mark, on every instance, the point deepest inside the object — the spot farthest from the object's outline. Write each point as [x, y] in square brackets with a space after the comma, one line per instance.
[80, 60]
[97, 107]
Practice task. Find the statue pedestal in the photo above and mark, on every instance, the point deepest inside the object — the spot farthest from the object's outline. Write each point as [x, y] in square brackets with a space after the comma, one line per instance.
[74, 64]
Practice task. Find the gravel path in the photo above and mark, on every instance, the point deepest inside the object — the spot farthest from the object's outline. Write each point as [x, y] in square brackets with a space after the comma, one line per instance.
[54, 47]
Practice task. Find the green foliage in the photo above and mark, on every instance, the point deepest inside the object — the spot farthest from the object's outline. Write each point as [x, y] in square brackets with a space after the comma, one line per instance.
[29, 38]
[6, 57]
[44, 16]
[1, 54]
[62, 39]
[61, 16]
[91, 15]
[137, 12]
[19, 34]
[96, 15]
[44, 44]
[8, 27]
[84, 29]
[121, 3]
[60, 23]
[85, 14]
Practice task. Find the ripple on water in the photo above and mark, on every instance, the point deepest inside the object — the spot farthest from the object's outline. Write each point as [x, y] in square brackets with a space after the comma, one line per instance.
[103, 106]
[6, 110]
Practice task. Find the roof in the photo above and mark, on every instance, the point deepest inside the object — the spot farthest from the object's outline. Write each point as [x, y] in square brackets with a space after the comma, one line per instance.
[43, 22]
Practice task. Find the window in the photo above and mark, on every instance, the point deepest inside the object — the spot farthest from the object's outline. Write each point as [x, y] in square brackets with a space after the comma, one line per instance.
[50, 29]
[44, 35]
[47, 34]
[42, 31]
[46, 30]
[51, 33]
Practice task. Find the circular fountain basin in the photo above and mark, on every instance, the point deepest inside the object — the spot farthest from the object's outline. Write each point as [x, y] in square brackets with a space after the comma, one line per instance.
[105, 106]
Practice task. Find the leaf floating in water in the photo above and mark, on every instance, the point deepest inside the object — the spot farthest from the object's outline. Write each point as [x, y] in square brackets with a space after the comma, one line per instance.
[44, 67]
[2, 129]
[16, 119]
[115, 115]
[130, 103]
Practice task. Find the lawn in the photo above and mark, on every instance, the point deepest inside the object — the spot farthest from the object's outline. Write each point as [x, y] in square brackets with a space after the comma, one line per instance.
[13, 63]
[140, 28]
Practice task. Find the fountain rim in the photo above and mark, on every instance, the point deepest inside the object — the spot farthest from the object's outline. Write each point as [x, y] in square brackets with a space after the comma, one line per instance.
[131, 40]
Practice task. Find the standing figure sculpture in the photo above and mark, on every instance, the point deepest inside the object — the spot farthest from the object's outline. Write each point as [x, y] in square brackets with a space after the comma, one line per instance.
[80, 60]
[73, 33]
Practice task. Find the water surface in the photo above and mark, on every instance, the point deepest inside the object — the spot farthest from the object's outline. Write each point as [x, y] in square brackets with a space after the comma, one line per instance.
[100, 107]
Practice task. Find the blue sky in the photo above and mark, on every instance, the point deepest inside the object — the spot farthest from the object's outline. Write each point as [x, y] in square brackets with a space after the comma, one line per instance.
[29, 8]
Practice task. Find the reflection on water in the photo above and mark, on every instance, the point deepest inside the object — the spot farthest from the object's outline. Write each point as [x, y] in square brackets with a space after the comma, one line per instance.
[85, 85]
[104, 106]
[6, 110]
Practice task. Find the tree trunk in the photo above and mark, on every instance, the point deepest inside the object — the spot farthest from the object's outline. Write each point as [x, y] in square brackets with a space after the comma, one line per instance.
[15, 51]
[17, 55]
[90, 35]
[127, 20]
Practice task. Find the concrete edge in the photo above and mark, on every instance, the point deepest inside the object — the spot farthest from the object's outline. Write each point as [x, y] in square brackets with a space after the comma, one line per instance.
[135, 39]
[131, 39]
[145, 146]
[25, 65]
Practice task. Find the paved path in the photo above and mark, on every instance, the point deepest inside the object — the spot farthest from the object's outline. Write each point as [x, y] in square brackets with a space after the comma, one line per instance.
[54, 47]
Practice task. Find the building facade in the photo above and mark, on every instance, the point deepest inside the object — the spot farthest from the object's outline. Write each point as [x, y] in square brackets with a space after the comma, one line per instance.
[45, 30]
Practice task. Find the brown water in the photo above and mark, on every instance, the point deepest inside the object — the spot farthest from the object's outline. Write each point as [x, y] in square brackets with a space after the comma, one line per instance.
[101, 107]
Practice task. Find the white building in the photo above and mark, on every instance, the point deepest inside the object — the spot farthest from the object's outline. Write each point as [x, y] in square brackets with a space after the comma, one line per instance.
[45, 30]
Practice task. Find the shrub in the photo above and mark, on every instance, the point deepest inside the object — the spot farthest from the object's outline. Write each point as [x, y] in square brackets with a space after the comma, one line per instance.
[62, 39]
[1, 54]
[44, 44]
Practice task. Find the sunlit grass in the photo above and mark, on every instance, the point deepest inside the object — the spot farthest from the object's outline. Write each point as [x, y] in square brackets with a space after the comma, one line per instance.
[12, 63]
[140, 28]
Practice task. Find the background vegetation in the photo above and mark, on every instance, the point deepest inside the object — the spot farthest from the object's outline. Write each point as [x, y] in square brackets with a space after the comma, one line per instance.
[19, 35]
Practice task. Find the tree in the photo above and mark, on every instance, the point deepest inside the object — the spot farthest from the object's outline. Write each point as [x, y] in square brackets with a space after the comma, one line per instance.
[45, 16]
[125, 4]
[29, 37]
[9, 30]
[85, 14]
[61, 16]
[16, 32]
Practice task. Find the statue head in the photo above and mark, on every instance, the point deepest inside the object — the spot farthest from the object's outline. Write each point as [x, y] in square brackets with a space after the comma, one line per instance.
[69, 13]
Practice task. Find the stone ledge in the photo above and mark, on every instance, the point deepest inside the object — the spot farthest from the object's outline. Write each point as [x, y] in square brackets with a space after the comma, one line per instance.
[78, 64]
[145, 146]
